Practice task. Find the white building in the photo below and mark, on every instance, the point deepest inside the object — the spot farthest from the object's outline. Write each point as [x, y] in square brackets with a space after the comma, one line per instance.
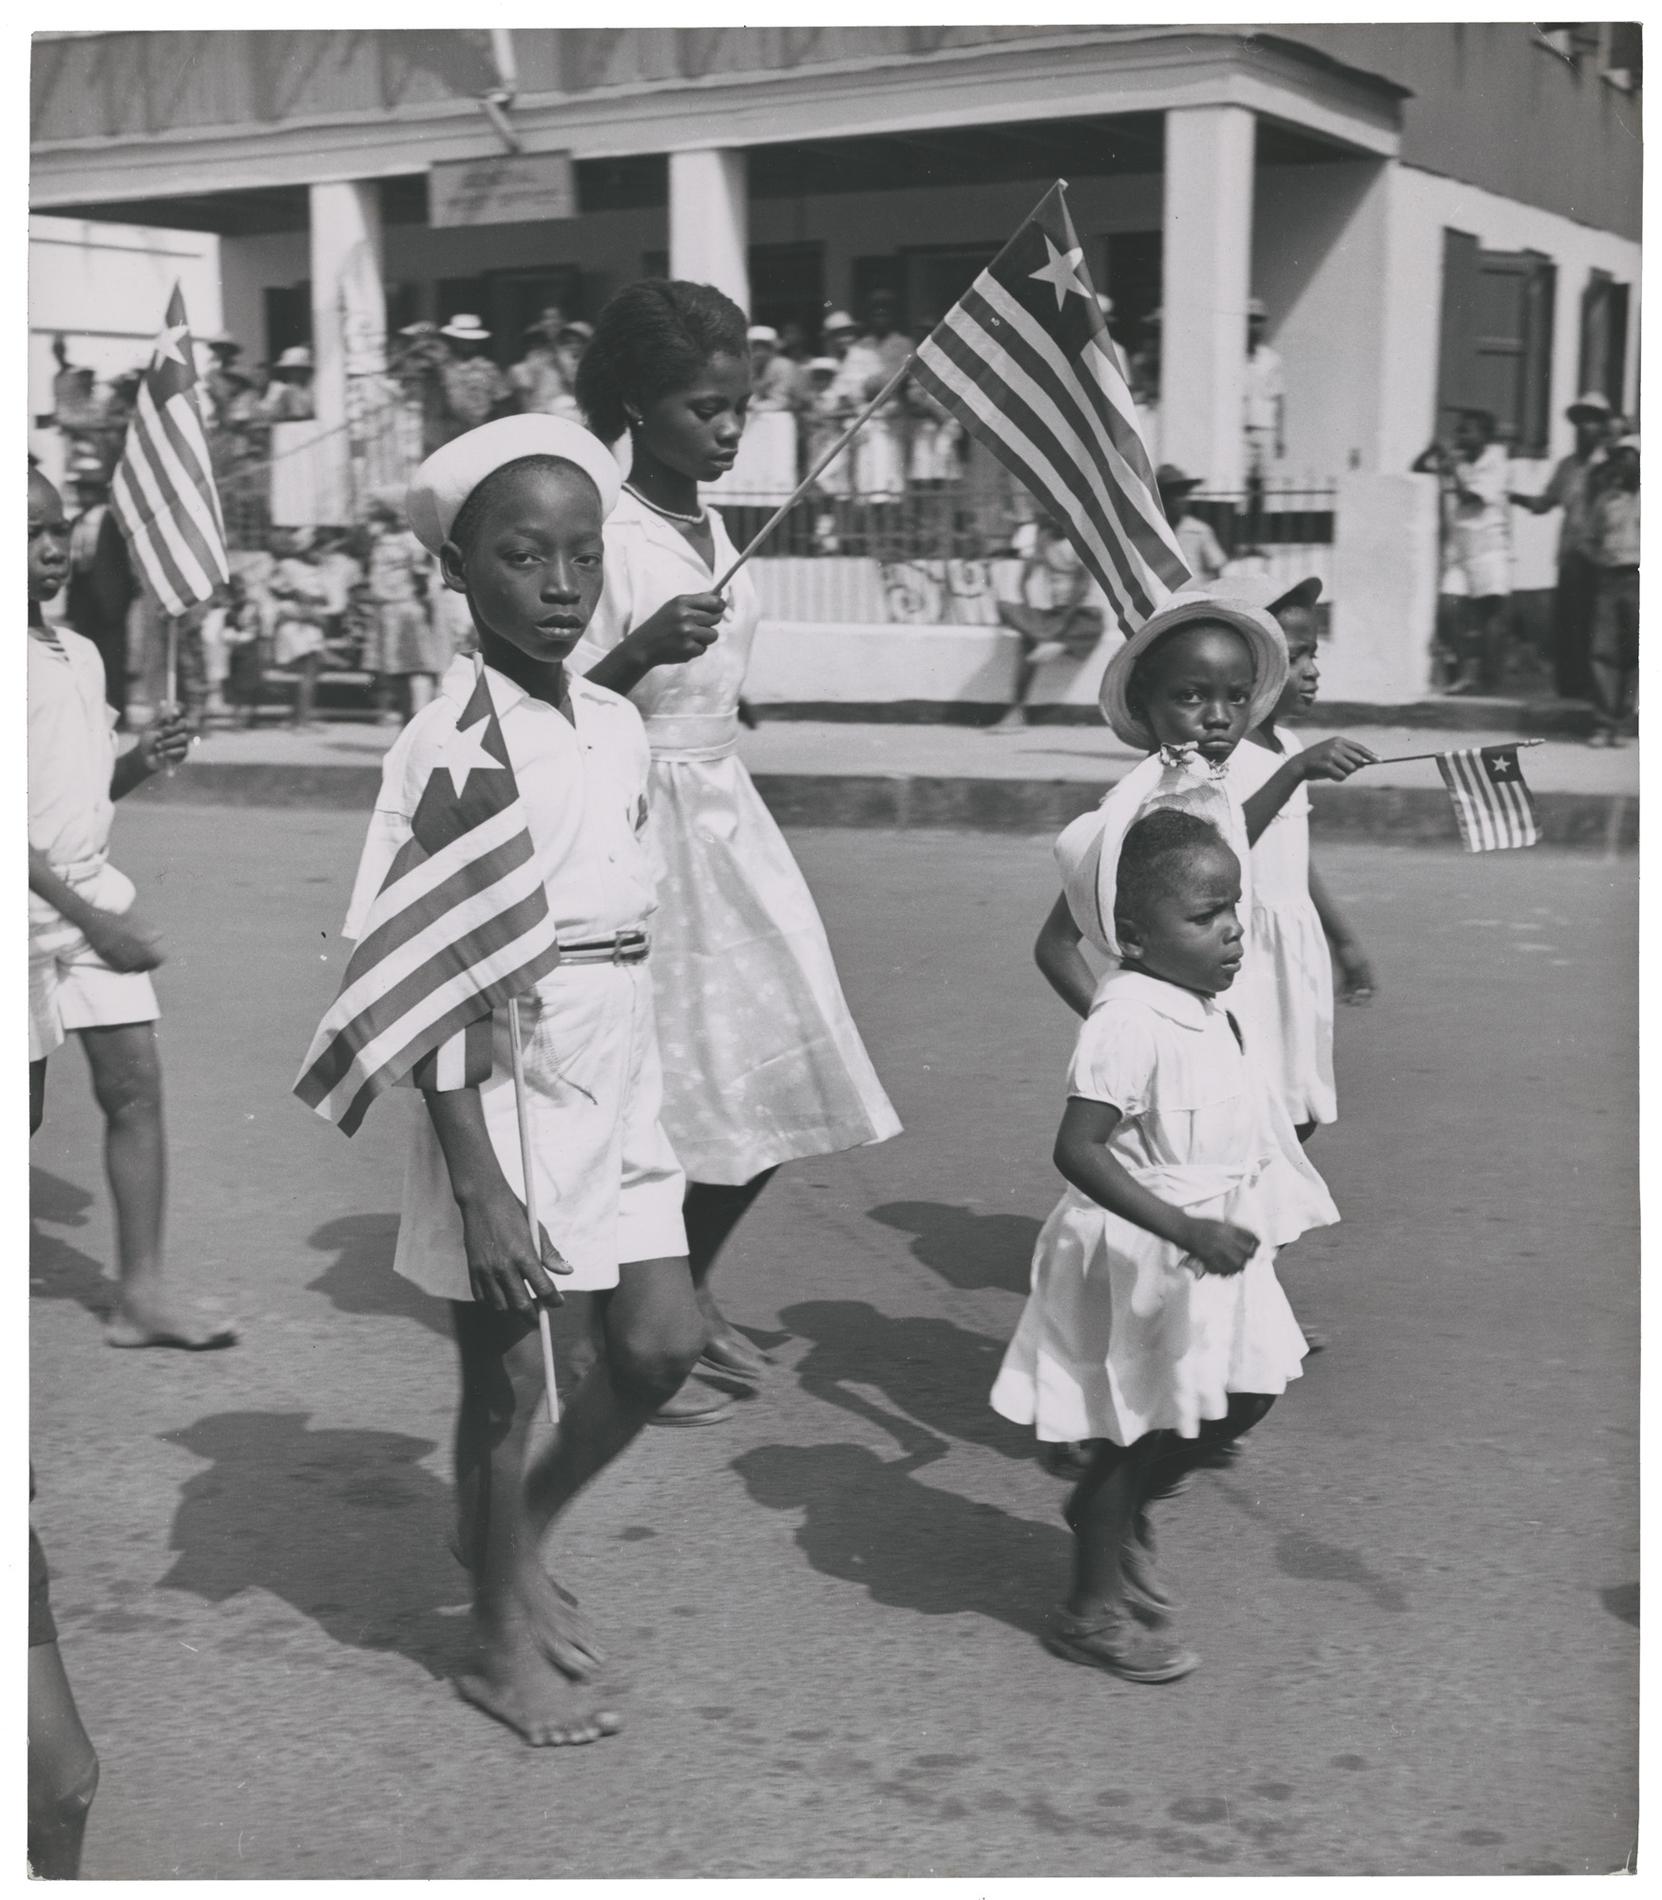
[1435, 215]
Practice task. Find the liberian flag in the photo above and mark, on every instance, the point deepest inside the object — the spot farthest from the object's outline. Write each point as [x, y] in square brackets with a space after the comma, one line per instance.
[1492, 805]
[163, 493]
[460, 924]
[1025, 362]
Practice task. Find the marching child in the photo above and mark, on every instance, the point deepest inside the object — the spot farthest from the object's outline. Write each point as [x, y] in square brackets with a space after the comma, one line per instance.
[1293, 921]
[1186, 688]
[89, 954]
[763, 1063]
[514, 511]
[1155, 1328]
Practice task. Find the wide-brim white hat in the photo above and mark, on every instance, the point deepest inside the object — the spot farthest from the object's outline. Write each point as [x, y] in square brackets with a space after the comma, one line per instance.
[449, 475]
[466, 329]
[1265, 639]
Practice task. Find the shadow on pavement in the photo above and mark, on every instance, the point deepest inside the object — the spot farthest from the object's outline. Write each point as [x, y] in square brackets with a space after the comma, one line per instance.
[343, 1525]
[1312, 1559]
[1622, 1600]
[934, 1375]
[968, 1250]
[910, 1545]
[57, 1270]
[362, 1281]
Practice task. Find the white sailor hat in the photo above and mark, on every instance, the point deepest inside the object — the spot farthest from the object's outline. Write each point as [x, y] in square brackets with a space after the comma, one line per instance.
[449, 475]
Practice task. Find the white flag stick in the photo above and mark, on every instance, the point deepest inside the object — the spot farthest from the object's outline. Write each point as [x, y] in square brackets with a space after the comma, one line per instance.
[819, 469]
[1407, 758]
[171, 683]
[522, 1111]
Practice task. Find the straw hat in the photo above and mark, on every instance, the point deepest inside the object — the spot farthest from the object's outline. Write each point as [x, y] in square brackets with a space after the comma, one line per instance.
[762, 333]
[297, 356]
[838, 320]
[466, 328]
[1590, 404]
[1265, 639]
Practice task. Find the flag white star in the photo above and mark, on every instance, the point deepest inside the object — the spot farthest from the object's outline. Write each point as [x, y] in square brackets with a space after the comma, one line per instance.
[1061, 271]
[167, 344]
[464, 754]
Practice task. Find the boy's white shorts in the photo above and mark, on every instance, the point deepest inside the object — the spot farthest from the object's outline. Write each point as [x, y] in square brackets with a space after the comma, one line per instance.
[72, 987]
[608, 1186]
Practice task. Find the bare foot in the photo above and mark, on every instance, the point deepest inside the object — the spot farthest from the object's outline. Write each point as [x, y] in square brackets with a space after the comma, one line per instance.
[565, 1634]
[143, 1316]
[515, 1684]
[561, 1629]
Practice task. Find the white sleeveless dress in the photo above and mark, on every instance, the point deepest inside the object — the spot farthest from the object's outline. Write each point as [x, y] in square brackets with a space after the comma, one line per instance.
[762, 1061]
[1289, 965]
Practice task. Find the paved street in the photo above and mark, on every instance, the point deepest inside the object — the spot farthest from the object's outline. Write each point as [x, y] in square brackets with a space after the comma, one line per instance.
[1416, 1598]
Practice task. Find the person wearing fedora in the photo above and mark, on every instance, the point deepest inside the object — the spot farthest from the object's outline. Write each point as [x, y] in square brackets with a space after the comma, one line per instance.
[1202, 555]
[101, 585]
[1615, 554]
[475, 389]
[289, 399]
[1571, 487]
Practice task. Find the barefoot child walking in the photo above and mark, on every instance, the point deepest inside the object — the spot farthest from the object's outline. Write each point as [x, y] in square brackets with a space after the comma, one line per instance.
[514, 511]
[89, 954]
[1155, 1328]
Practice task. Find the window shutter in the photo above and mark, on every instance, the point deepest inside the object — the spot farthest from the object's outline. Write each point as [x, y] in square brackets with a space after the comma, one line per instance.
[1456, 351]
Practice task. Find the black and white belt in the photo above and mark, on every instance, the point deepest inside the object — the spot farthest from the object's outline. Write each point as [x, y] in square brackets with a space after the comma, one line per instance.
[628, 946]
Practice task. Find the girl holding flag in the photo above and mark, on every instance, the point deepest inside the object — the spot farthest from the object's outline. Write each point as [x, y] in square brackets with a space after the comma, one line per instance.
[762, 1061]
[547, 773]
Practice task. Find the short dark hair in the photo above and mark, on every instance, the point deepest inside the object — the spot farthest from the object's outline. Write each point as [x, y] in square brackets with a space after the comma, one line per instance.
[1485, 420]
[1156, 853]
[654, 337]
[472, 511]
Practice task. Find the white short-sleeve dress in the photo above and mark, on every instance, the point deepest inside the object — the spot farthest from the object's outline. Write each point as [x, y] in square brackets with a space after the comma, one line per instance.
[762, 1061]
[1289, 968]
[1119, 1337]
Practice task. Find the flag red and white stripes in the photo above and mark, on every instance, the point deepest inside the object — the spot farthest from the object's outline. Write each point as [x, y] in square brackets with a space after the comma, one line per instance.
[461, 923]
[1025, 362]
[1492, 805]
[163, 492]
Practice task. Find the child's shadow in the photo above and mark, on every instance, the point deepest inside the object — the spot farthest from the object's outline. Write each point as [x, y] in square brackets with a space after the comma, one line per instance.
[967, 1250]
[909, 1544]
[344, 1525]
[57, 1270]
[361, 1280]
[935, 1375]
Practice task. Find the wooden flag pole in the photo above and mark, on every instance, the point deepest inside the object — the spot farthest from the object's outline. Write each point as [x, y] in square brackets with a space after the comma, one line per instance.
[1407, 758]
[521, 1110]
[819, 468]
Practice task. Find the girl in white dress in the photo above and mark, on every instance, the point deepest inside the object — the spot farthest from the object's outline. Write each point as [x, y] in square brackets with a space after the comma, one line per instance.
[1293, 920]
[762, 1061]
[1155, 1326]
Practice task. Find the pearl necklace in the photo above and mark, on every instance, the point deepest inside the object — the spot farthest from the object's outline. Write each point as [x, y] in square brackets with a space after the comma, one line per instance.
[692, 521]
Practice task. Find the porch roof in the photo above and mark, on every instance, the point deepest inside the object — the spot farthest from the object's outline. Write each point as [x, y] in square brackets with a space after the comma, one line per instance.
[144, 117]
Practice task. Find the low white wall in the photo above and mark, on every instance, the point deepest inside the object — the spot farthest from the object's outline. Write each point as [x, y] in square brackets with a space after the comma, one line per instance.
[796, 660]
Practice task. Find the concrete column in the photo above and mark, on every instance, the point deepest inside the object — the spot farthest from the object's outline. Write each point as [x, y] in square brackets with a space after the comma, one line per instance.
[1207, 269]
[709, 221]
[349, 321]
[1385, 573]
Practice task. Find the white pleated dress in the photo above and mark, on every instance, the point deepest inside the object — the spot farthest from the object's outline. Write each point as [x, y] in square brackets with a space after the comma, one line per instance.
[1119, 1337]
[1289, 966]
[762, 1062]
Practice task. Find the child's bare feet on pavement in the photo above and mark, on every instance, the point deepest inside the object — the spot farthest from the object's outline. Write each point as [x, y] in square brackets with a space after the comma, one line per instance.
[515, 1682]
[561, 1628]
[145, 1315]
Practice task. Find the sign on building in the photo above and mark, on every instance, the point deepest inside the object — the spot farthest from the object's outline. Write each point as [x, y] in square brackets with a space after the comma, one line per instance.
[518, 189]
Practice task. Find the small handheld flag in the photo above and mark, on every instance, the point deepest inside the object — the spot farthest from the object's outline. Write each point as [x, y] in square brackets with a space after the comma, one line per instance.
[1492, 805]
[460, 924]
[163, 492]
[1025, 363]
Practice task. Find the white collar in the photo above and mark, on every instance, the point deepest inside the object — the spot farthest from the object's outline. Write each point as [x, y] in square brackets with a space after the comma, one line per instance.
[459, 677]
[1184, 1007]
